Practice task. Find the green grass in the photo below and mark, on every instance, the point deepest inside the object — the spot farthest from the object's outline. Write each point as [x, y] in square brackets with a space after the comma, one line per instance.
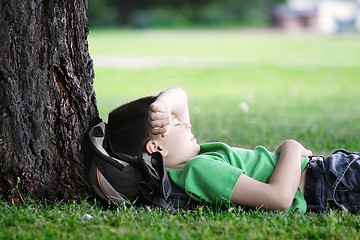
[40, 220]
[296, 86]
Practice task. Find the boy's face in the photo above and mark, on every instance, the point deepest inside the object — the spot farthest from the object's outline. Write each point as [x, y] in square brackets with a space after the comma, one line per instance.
[179, 145]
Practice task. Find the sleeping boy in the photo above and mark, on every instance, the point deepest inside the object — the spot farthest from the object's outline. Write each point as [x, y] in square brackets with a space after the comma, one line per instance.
[286, 179]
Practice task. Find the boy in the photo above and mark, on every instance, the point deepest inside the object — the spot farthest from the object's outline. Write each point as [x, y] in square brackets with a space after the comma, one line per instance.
[216, 172]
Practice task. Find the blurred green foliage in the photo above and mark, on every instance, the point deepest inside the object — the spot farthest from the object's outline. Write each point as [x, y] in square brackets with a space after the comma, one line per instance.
[172, 13]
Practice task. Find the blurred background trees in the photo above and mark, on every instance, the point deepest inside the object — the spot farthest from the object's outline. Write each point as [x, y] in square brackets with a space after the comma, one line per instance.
[173, 13]
[331, 16]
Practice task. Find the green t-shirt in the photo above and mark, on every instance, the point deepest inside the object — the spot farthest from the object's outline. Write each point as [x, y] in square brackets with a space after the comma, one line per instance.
[212, 174]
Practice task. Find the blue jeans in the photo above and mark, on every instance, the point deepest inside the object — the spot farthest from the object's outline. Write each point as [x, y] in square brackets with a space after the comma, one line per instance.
[333, 182]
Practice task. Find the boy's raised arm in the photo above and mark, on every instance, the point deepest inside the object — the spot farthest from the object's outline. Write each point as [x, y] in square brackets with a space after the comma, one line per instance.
[173, 101]
[279, 193]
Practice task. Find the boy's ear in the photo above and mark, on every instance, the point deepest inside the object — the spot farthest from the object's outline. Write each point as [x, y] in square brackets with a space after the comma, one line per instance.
[154, 146]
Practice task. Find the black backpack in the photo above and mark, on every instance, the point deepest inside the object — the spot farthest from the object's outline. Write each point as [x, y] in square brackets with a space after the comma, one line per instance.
[139, 180]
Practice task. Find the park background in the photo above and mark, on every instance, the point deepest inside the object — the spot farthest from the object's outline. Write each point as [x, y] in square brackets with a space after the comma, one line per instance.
[256, 72]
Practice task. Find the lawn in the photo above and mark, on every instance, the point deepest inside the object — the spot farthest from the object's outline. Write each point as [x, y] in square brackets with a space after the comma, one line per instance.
[267, 87]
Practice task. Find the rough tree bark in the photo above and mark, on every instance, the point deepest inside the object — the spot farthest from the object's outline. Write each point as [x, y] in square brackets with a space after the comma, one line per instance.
[46, 98]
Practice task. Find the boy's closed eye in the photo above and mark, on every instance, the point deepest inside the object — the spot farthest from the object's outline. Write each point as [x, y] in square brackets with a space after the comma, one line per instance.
[176, 122]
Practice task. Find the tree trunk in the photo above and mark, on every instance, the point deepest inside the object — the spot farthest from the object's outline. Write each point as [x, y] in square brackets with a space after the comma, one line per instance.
[46, 98]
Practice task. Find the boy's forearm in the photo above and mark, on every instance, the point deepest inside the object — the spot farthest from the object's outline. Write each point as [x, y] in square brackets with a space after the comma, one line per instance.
[287, 173]
[178, 102]
[279, 193]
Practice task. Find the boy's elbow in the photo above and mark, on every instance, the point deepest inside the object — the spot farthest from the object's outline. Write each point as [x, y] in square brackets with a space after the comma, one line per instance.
[180, 91]
[284, 202]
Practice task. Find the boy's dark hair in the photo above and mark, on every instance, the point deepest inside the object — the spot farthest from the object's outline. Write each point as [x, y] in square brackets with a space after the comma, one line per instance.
[129, 127]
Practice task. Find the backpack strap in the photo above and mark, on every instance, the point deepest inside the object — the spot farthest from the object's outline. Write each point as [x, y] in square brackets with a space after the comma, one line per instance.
[155, 168]
[106, 188]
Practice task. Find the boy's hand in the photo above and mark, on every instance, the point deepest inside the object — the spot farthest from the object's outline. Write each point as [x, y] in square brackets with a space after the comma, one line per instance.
[171, 102]
[304, 152]
[160, 117]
